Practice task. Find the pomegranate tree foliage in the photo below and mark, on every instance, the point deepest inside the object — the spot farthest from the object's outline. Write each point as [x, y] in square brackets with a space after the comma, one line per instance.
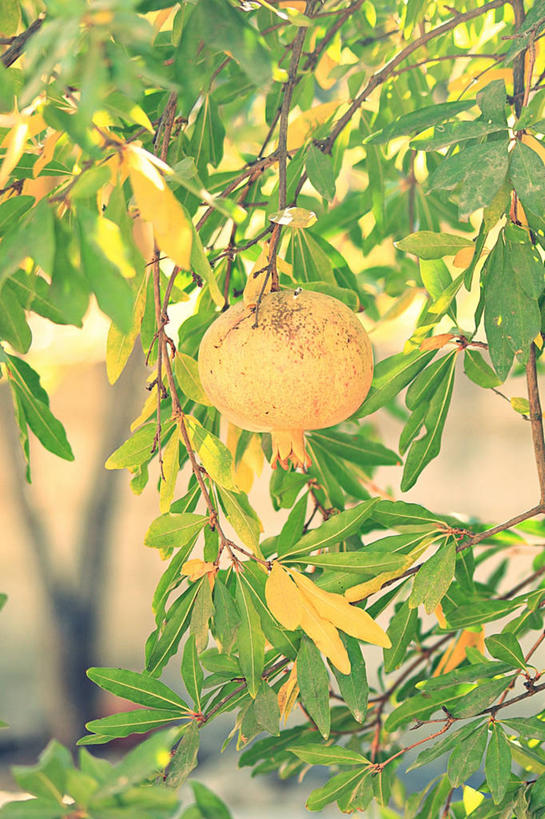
[409, 126]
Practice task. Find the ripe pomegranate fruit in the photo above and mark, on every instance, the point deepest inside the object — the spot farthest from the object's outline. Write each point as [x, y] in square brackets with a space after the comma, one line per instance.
[307, 364]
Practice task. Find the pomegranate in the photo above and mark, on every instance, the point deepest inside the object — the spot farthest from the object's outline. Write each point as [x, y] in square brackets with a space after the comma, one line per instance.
[306, 364]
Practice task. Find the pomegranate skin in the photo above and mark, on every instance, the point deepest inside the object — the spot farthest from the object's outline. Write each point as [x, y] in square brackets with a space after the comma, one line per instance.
[308, 364]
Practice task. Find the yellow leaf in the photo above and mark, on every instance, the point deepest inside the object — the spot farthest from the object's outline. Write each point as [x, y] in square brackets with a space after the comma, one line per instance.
[14, 143]
[441, 619]
[339, 612]
[288, 693]
[196, 568]
[150, 406]
[285, 267]
[108, 236]
[325, 636]
[363, 590]
[158, 205]
[538, 341]
[283, 598]
[298, 5]
[463, 257]
[303, 126]
[323, 71]
[471, 799]
[481, 80]
[48, 149]
[535, 145]
[456, 652]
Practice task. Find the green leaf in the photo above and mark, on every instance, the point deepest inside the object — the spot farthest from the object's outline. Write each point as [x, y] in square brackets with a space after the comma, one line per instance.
[434, 578]
[139, 688]
[530, 727]
[186, 371]
[480, 169]
[480, 698]
[401, 632]
[177, 621]
[13, 324]
[230, 32]
[10, 17]
[226, 617]
[429, 245]
[320, 171]
[185, 757]
[476, 368]
[35, 405]
[419, 707]
[527, 173]
[476, 612]
[466, 673]
[454, 132]
[171, 466]
[354, 687]
[47, 778]
[215, 457]
[398, 514]
[366, 562]
[335, 788]
[419, 120]
[451, 740]
[511, 317]
[241, 516]
[310, 262]
[172, 530]
[333, 530]
[140, 763]
[192, 673]
[210, 805]
[206, 144]
[506, 647]
[391, 376]
[466, 757]
[267, 711]
[105, 268]
[202, 611]
[250, 639]
[425, 449]
[31, 236]
[358, 448]
[139, 721]
[313, 681]
[292, 530]
[137, 449]
[498, 763]
[492, 100]
[39, 808]
[426, 383]
[315, 754]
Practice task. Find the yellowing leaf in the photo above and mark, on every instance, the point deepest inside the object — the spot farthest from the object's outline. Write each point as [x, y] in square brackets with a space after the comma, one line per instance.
[456, 652]
[48, 149]
[464, 81]
[150, 406]
[463, 257]
[256, 280]
[158, 205]
[283, 598]
[325, 636]
[441, 619]
[14, 142]
[471, 799]
[196, 568]
[287, 695]
[306, 123]
[436, 342]
[340, 613]
[171, 464]
[294, 217]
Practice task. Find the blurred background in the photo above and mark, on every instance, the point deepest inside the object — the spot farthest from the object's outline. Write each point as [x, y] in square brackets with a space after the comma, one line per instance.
[77, 533]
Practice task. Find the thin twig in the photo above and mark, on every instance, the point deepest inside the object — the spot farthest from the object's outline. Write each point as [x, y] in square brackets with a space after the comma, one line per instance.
[18, 44]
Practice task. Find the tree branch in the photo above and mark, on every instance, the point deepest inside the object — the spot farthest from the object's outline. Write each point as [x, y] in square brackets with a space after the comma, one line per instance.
[536, 419]
[18, 44]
